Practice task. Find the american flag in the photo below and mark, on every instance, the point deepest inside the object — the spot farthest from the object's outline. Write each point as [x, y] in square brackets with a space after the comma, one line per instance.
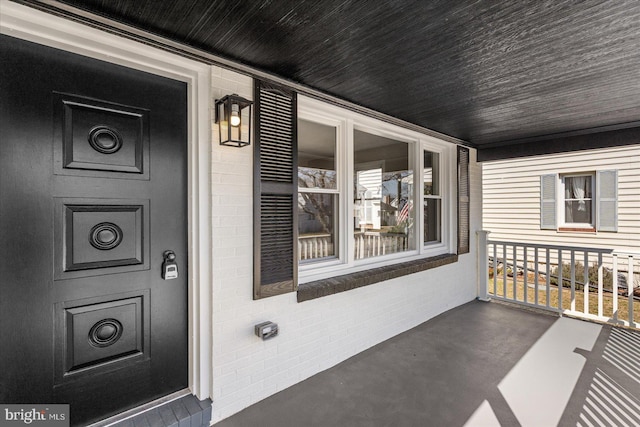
[404, 212]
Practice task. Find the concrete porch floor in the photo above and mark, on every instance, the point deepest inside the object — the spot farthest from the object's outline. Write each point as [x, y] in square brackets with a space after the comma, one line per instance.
[480, 364]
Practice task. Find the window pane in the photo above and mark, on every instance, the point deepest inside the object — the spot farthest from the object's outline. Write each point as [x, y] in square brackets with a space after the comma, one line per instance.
[577, 195]
[578, 211]
[383, 192]
[431, 174]
[316, 155]
[316, 225]
[432, 220]
[432, 203]
[577, 187]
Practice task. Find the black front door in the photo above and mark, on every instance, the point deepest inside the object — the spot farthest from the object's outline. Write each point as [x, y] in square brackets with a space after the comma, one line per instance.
[93, 192]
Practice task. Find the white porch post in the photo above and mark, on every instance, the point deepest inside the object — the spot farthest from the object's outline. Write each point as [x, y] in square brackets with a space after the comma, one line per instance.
[483, 265]
[630, 285]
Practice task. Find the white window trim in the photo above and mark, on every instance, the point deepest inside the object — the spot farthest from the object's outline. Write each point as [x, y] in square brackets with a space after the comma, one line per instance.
[446, 196]
[562, 223]
[320, 116]
[346, 122]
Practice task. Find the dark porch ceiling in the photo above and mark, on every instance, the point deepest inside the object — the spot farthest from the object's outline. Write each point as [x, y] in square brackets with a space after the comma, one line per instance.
[486, 72]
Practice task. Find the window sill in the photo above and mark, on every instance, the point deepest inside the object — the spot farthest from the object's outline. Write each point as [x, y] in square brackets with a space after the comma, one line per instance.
[577, 229]
[333, 285]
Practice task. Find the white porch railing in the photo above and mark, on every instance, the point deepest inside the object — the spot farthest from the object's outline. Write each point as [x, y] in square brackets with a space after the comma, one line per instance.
[372, 243]
[367, 244]
[592, 283]
[314, 246]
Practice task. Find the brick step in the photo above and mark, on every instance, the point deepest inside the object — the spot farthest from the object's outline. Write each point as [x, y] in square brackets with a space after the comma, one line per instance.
[186, 411]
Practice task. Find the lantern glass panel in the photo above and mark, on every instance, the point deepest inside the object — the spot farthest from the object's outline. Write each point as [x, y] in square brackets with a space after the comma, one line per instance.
[237, 136]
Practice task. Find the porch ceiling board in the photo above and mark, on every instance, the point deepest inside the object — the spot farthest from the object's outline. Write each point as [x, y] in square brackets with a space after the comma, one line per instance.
[484, 72]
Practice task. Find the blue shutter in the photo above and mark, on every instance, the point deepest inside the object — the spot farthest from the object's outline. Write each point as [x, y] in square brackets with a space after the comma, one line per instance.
[607, 200]
[548, 200]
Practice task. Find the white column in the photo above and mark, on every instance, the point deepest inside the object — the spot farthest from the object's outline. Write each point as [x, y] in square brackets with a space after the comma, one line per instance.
[483, 265]
[630, 284]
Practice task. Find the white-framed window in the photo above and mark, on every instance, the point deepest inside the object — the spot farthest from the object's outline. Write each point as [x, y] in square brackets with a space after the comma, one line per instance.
[319, 197]
[584, 201]
[432, 197]
[360, 200]
[383, 190]
[577, 194]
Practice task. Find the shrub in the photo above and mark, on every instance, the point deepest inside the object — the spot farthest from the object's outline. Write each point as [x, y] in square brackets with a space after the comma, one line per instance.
[607, 276]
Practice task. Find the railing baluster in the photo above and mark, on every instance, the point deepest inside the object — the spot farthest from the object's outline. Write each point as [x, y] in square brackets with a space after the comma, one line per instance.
[495, 269]
[504, 270]
[600, 285]
[514, 272]
[548, 269]
[560, 280]
[525, 272]
[586, 282]
[615, 287]
[573, 280]
[535, 272]
[630, 289]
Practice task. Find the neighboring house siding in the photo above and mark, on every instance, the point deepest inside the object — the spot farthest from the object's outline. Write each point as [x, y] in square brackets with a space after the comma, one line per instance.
[511, 197]
[313, 335]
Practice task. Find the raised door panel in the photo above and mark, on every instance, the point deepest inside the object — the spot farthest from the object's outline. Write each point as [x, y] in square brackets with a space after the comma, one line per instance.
[100, 236]
[95, 137]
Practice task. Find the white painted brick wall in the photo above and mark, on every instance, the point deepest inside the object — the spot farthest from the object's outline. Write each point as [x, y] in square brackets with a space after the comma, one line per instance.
[314, 335]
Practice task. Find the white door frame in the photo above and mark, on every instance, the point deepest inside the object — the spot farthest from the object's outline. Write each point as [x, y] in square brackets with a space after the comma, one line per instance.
[49, 30]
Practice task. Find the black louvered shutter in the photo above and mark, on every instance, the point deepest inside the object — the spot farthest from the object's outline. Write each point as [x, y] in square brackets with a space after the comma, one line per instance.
[275, 191]
[463, 200]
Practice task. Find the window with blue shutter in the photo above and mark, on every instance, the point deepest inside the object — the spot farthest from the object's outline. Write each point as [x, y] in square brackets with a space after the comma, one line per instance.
[574, 193]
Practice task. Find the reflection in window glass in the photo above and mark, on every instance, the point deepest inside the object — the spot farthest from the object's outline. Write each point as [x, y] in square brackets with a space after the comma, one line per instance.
[317, 191]
[316, 225]
[316, 155]
[431, 220]
[432, 197]
[383, 192]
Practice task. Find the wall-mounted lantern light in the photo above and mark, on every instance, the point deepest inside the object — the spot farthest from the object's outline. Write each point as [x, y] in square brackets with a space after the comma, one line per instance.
[233, 116]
